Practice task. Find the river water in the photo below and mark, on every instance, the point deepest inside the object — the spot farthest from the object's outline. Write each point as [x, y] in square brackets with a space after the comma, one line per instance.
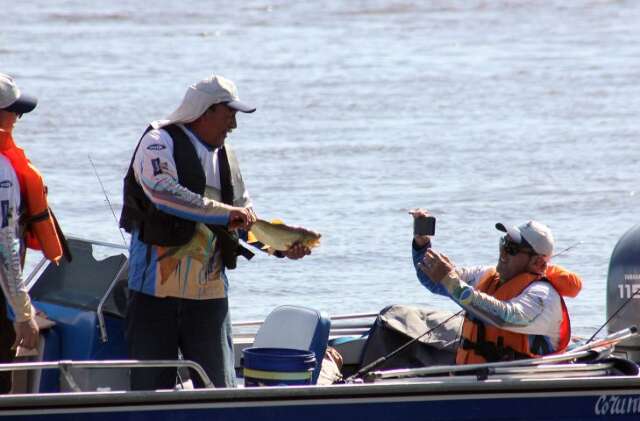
[480, 111]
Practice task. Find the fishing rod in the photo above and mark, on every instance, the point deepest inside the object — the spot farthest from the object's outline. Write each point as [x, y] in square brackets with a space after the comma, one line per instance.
[124, 241]
[615, 313]
[574, 245]
[395, 352]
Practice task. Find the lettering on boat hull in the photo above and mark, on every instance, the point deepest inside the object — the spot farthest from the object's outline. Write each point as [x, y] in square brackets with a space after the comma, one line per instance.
[617, 405]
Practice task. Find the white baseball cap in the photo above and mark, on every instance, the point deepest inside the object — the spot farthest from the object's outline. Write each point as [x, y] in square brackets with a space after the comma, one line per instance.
[11, 99]
[534, 234]
[202, 95]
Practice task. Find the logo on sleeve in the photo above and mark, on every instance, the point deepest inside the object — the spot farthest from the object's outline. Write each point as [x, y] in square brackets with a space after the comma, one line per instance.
[157, 169]
[156, 147]
[5, 184]
[5, 213]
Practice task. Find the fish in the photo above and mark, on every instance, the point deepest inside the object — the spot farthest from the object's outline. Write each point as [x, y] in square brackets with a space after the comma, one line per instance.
[279, 236]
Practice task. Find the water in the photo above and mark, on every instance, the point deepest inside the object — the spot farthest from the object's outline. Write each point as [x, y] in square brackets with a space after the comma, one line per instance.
[479, 111]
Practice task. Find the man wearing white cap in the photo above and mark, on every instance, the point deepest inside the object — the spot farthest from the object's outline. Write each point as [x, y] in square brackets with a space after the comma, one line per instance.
[513, 310]
[184, 200]
[13, 103]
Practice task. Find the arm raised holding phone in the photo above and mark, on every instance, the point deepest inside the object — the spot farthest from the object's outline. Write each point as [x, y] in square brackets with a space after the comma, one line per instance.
[424, 226]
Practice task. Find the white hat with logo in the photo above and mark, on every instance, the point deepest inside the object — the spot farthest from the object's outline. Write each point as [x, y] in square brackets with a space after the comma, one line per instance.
[532, 233]
[202, 95]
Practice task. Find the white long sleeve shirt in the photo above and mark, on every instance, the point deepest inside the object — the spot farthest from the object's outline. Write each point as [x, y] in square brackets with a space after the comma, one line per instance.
[11, 280]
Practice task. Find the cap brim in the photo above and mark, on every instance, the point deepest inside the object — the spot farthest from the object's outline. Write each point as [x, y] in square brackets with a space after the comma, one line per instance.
[22, 105]
[512, 232]
[241, 106]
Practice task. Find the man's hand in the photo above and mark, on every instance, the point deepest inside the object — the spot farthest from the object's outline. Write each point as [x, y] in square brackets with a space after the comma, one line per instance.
[436, 265]
[241, 218]
[297, 251]
[27, 334]
[421, 240]
[440, 269]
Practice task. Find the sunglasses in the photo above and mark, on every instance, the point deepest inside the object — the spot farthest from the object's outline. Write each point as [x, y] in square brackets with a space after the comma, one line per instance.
[512, 248]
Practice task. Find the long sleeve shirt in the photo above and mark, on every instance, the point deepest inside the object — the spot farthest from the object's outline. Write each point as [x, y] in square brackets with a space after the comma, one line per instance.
[11, 281]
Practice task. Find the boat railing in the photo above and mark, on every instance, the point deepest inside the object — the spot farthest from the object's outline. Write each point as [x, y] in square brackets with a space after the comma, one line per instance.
[521, 374]
[100, 313]
[65, 367]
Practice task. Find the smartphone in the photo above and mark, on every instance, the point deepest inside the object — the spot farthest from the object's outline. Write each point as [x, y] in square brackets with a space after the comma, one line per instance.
[424, 225]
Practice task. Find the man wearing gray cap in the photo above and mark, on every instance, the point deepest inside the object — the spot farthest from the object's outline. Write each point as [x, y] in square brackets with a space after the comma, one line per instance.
[13, 103]
[184, 202]
[513, 310]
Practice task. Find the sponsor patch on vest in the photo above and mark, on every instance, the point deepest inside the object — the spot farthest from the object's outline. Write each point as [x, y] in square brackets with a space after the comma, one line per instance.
[5, 184]
[156, 147]
[155, 163]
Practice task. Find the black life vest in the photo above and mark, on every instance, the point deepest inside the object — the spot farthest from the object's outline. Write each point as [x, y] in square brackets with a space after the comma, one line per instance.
[138, 212]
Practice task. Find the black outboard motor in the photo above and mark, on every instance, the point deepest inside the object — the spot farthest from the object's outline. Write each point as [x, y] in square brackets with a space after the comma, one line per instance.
[623, 282]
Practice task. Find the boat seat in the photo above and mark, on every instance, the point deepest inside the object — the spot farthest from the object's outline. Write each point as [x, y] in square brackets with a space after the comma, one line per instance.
[296, 327]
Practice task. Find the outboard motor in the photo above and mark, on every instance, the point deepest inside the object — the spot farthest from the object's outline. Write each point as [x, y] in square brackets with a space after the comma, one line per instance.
[623, 281]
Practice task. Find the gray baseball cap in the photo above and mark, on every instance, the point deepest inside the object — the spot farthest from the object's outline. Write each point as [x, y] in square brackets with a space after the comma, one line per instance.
[12, 99]
[537, 235]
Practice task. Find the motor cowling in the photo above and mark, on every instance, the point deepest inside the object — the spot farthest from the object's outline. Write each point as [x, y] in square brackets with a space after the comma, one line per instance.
[623, 281]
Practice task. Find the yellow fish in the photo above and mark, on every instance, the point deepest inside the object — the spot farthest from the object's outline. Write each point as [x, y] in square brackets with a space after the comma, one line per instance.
[280, 236]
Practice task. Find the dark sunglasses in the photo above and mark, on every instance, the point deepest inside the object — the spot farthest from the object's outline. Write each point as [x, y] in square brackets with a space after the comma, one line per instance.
[512, 248]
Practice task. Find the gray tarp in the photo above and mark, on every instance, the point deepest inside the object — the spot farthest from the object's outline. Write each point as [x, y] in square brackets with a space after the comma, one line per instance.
[398, 324]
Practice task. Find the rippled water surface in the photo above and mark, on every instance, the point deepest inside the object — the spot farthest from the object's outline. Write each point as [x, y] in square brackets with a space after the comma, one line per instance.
[481, 111]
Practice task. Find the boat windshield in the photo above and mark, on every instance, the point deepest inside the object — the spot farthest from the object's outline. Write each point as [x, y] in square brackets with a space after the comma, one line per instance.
[81, 283]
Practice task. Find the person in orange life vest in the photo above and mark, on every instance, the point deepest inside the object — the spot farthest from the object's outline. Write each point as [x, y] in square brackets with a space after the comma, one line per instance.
[25, 330]
[513, 310]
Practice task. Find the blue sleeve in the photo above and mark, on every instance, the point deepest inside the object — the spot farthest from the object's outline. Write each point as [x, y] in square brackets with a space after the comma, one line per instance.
[434, 287]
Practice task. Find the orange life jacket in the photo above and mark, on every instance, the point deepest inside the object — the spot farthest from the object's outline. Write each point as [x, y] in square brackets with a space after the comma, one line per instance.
[568, 284]
[41, 230]
[482, 342]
